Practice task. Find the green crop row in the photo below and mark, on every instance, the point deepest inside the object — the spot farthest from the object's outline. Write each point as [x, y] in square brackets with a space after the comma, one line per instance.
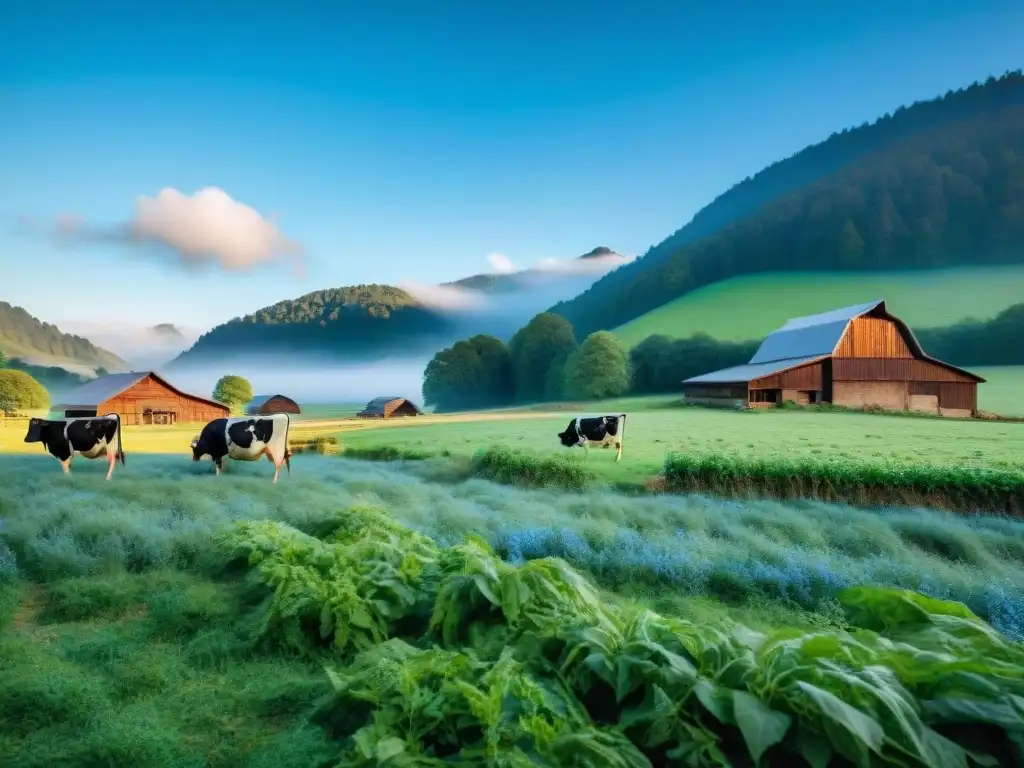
[959, 488]
[449, 656]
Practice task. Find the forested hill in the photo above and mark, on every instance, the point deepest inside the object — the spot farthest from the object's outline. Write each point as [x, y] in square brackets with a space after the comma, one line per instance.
[24, 336]
[939, 183]
[351, 322]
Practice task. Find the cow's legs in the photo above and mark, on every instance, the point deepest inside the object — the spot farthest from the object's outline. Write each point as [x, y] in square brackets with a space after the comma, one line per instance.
[618, 450]
[218, 465]
[111, 461]
[66, 466]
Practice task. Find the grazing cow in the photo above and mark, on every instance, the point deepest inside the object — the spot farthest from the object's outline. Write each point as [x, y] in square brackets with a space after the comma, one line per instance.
[88, 437]
[605, 431]
[245, 439]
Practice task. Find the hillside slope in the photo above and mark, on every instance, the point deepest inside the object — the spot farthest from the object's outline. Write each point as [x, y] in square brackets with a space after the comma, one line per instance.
[750, 307]
[937, 184]
[354, 322]
[366, 322]
[28, 338]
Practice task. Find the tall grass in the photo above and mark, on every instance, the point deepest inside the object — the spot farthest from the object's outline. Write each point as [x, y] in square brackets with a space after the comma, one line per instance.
[960, 488]
[162, 514]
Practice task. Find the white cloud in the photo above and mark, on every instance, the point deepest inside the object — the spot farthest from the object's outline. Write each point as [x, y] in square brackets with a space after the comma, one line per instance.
[596, 265]
[501, 264]
[444, 297]
[206, 228]
[139, 345]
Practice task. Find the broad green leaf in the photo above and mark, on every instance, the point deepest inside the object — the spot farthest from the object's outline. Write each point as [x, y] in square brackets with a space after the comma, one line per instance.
[388, 748]
[853, 733]
[762, 727]
[714, 701]
[814, 747]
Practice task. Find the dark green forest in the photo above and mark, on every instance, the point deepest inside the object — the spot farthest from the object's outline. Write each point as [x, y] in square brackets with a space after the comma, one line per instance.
[19, 330]
[360, 320]
[940, 183]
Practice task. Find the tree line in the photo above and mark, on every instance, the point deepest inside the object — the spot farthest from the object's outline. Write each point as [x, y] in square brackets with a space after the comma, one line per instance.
[544, 363]
[943, 189]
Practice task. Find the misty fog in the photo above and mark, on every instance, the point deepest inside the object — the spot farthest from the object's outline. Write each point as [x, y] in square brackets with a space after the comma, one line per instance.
[309, 380]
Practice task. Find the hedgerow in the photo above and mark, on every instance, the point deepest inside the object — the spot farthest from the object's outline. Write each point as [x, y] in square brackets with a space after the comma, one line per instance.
[450, 656]
[958, 488]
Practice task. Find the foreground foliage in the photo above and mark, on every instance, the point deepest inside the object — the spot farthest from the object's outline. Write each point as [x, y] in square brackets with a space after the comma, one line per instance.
[449, 656]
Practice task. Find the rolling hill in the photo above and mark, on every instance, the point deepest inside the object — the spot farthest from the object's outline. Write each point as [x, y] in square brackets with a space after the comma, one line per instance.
[37, 343]
[750, 307]
[369, 322]
[935, 185]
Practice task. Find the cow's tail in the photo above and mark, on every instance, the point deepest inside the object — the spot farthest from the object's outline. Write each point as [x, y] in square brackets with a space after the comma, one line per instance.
[622, 426]
[120, 449]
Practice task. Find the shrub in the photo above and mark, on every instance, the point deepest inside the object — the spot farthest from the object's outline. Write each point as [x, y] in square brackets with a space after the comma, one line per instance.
[512, 467]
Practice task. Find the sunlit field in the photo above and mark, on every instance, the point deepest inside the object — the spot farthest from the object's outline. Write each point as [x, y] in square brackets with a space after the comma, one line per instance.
[125, 640]
[649, 434]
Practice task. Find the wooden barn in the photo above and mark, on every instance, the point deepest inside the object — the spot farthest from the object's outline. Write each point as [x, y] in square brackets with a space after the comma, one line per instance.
[857, 357]
[267, 404]
[389, 408]
[141, 397]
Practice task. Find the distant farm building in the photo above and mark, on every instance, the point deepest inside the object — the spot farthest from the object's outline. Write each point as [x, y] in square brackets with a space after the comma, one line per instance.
[264, 405]
[856, 357]
[389, 408]
[142, 397]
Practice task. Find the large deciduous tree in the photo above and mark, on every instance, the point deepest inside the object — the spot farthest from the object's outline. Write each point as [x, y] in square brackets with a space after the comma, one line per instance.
[472, 373]
[598, 369]
[543, 344]
[233, 391]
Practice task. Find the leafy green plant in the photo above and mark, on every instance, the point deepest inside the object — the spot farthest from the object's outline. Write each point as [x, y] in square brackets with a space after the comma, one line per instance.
[512, 467]
[531, 666]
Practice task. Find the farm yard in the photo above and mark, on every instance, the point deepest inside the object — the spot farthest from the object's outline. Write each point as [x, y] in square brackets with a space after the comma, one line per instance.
[173, 618]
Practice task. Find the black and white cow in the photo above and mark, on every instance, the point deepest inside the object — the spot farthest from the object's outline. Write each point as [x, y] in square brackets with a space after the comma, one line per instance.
[88, 437]
[604, 431]
[245, 439]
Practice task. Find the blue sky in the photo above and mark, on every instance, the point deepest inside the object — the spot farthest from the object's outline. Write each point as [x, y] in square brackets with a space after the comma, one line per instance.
[396, 143]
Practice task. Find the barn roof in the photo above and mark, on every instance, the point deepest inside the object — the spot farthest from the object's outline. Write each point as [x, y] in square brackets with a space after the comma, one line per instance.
[811, 335]
[378, 403]
[260, 400]
[94, 393]
[741, 374]
[808, 338]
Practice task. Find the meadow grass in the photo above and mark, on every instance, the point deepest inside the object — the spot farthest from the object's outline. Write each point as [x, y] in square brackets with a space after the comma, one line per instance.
[125, 639]
[752, 306]
[776, 434]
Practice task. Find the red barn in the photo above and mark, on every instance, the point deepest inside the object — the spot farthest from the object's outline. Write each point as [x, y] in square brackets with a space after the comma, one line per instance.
[859, 356]
[142, 397]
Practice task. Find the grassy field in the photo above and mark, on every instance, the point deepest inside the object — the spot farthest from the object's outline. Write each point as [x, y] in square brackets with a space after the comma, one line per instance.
[127, 638]
[750, 307]
[657, 428]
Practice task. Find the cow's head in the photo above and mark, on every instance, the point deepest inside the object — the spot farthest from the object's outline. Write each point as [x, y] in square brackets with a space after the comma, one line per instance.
[35, 431]
[197, 453]
[569, 437]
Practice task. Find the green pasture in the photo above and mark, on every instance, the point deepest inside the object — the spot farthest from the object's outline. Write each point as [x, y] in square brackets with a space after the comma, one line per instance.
[750, 307]
[655, 426]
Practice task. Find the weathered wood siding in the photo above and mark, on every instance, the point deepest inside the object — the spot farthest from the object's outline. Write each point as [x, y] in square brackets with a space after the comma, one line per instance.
[889, 369]
[152, 394]
[397, 408]
[806, 377]
[876, 337]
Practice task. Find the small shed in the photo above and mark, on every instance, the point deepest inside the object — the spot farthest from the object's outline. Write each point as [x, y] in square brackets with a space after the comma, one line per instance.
[855, 357]
[268, 404]
[389, 408]
[140, 397]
